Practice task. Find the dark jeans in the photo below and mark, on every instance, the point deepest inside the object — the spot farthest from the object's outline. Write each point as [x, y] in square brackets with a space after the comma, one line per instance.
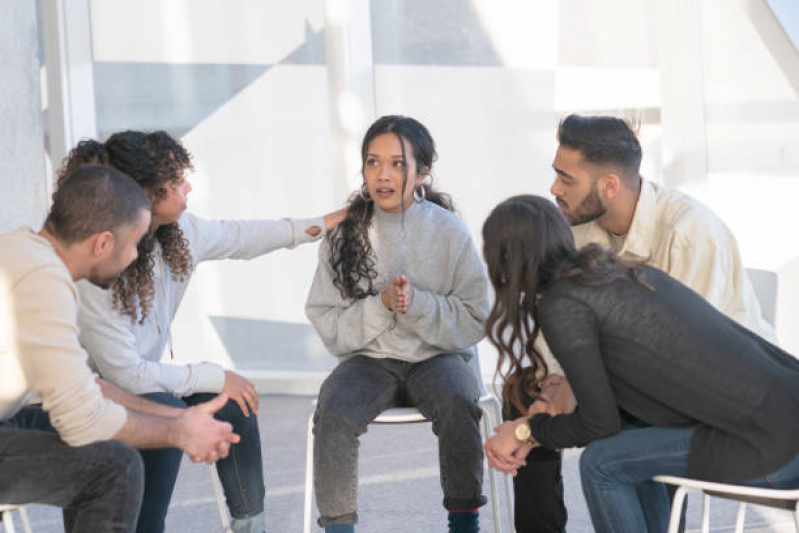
[445, 391]
[538, 491]
[616, 473]
[241, 472]
[99, 485]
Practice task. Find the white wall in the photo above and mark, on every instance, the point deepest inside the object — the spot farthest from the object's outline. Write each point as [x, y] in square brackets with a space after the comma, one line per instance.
[492, 101]
[23, 186]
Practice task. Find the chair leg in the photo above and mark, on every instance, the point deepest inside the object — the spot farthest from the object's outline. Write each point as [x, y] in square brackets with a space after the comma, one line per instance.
[493, 409]
[26, 524]
[492, 479]
[507, 480]
[306, 521]
[796, 517]
[8, 522]
[740, 518]
[220, 501]
[676, 510]
[705, 513]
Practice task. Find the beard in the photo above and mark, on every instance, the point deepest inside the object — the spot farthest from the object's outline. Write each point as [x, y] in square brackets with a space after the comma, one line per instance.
[590, 209]
[104, 283]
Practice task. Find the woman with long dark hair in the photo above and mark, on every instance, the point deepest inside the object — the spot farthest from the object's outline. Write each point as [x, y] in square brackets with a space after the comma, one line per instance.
[673, 382]
[125, 330]
[400, 296]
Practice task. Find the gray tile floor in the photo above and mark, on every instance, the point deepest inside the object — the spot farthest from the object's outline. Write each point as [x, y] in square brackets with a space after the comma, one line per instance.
[399, 490]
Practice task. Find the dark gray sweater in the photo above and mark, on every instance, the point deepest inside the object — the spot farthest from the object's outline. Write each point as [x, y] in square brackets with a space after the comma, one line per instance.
[672, 360]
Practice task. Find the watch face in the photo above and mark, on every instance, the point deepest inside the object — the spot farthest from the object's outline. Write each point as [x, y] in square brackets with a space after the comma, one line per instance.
[522, 432]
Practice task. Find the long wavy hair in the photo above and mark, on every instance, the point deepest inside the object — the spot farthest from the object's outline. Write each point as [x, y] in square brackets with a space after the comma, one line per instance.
[351, 254]
[528, 246]
[155, 161]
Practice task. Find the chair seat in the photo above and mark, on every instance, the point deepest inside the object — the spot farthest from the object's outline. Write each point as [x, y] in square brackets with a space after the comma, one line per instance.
[777, 503]
[399, 415]
[778, 498]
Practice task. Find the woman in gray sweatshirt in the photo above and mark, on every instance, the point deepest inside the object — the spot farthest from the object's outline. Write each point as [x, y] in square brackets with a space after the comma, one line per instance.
[399, 296]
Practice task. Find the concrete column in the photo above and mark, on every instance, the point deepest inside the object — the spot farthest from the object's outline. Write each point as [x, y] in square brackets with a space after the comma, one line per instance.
[682, 92]
[351, 88]
[23, 181]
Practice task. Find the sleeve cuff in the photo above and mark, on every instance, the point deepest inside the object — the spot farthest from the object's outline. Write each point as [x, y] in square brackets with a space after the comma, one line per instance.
[374, 309]
[420, 305]
[299, 229]
[210, 377]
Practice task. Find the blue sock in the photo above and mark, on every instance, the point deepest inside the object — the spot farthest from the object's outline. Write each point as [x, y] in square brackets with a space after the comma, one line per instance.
[340, 528]
[464, 521]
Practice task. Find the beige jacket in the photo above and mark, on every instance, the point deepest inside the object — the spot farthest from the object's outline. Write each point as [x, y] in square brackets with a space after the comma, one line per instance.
[685, 239]
[39, 349]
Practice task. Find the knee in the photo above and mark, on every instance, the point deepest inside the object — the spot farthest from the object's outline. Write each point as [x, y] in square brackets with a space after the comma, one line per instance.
[332, 417]
[595, 461]
[121, 462]
[457, 406]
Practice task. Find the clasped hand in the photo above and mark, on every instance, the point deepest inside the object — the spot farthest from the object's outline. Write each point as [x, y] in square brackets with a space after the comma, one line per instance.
[398, 296]
[504, 451]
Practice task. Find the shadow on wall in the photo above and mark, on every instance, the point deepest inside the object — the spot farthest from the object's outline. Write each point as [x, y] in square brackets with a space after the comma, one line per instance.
[272, 345]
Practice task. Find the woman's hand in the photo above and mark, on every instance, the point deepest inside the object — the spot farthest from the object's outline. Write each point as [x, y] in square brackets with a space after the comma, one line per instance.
[335, 218]
[331, 221]
[504, 451]
[398, 296]
[556, 397]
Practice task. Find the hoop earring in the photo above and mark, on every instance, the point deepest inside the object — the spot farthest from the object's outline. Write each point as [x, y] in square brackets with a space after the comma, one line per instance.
[418, 196]
[364, 193]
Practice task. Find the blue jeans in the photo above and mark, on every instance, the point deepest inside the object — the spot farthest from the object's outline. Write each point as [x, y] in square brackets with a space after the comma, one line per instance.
[617, 472]
[241, 472]
[445, 391]
[99, 485]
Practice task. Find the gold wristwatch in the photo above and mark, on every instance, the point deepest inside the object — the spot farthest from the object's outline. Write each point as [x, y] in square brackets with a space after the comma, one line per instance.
[522, 432]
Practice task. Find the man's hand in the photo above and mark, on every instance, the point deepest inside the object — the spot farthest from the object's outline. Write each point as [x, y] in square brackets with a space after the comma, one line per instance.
[504, 451]
[398, 296]
[556, 397]
[241, 391]
[200, 435]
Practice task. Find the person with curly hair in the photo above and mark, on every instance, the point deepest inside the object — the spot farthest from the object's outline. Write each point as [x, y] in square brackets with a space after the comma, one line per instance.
[126, 330]
[74, 448]
[399, 296]
[716, 401]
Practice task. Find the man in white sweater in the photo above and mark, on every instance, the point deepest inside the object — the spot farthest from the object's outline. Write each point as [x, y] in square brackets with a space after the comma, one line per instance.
[75, 450]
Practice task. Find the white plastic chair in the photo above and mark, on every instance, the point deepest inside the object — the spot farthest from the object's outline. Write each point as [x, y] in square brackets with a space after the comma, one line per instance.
[220, 500]
[781, 499]
[492, 415]
[8, 521]
[764, 283]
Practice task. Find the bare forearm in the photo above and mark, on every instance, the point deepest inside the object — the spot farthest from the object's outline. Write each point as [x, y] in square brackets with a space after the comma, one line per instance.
[148, 431]
[136, 403]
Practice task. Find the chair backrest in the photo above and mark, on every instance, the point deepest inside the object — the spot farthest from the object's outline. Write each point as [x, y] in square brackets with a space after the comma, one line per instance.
[765, 284]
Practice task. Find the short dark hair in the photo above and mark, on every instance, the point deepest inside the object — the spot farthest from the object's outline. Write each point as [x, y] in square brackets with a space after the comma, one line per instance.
[91, 199]
[603, 140]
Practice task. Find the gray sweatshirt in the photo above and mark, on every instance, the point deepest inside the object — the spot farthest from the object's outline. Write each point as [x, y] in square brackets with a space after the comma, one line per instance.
[450, 297]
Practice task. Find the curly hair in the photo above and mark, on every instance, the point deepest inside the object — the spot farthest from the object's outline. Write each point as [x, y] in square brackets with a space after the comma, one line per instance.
[351, 253]
[155, 161]
[528, 246]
